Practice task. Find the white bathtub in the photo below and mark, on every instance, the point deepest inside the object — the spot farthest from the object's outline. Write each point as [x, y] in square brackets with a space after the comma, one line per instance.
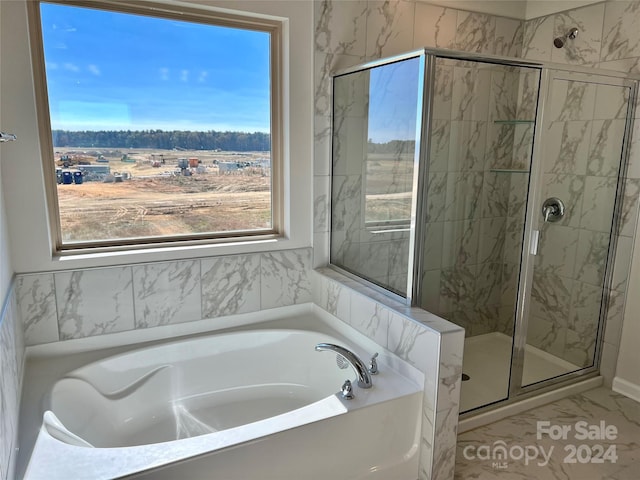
[256, 404]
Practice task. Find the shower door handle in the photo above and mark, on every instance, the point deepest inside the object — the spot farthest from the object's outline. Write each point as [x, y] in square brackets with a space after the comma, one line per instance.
[535, 241]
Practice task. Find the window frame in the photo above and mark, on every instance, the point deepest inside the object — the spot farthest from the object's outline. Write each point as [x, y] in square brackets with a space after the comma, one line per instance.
[206, 16]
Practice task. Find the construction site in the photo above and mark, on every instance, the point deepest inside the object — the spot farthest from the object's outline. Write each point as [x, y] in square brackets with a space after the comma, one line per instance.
[105, 194]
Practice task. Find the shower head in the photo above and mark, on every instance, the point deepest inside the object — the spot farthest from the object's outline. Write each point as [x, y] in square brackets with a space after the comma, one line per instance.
[559, 42]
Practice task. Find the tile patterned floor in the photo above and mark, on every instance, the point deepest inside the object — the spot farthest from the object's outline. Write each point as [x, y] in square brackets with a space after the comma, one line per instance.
[478, 453]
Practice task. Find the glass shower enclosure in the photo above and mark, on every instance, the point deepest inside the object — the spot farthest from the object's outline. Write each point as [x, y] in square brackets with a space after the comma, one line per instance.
[485, 190]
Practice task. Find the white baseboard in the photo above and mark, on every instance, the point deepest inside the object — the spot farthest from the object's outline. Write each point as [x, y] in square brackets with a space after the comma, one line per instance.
[626, 388]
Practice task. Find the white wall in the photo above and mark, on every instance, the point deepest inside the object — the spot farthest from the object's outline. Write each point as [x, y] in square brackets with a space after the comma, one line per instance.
[23, 176]
[627, 379]
[6, 125]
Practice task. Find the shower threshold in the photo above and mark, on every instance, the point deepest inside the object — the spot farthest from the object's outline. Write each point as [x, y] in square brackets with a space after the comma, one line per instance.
[487, 360]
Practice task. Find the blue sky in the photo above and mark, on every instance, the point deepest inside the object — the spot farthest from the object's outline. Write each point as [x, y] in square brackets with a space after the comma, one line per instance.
[393, 101]
[114, 71]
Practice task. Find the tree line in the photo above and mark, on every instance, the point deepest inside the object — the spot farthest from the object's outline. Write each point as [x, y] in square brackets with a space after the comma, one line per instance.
[165, 140]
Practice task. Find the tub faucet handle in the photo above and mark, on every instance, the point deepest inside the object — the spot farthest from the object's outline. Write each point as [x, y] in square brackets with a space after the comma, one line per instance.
[347, 390]
[373, 365]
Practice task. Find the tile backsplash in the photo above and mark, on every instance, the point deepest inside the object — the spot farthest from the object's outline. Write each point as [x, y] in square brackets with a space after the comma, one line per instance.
[11, 368]
[83, 303]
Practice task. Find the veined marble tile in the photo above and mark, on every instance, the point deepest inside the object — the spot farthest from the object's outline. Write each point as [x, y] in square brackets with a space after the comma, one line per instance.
[322, 145]
[458, 288]
[345, 203]
[622, 263]
[615, 317]
[349, 149]
[411, 341]
[340, 26]
[320, 249]
[503, 96]
[320, 203]
[464, 193]
[611, 102]
[369, 318]
[513, 240]
[633, 168]
[557, 249]
[436, 197]
[450, 372]
[500, 145]
[467, 147]
[460, 243]
[495, 195]
[591, 258]
[630, 207]
[509, 37]
[475, 32]
[572, 100]
[598, 203]
[373, 261]
[521, 430]
[434, 26]
[446, 434]
[620, 31]
[551, 298]
[585, 308]
[605, 148]
[440, 139]
[37, 301]
[469, 95]
[389, 27]
[430, 291]
[528, 86]
[570, 189]
[567, 147]
[491, 240]
[537, 40]
[547, 335]
[230, 285]
[522, 148]
[11, 364]
[285, 278]
[324, 65]
[167, 292]
[488, 289]
[443, 91]
[585, 48]
[580, 347]
[433, 246]
[335, 299]
[77, 294]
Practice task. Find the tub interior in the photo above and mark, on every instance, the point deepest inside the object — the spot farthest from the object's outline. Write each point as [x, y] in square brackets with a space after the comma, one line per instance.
[182, 390]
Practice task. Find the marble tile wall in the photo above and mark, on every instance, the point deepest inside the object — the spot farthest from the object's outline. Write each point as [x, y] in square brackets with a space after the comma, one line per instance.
[566, 302]
[469, 201]
[82, 303]
[428, 342]
[11, 371]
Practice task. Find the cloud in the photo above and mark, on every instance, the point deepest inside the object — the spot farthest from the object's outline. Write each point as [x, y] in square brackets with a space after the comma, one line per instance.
[202, 77]
[71, 67]
[95, 70]
[164, 74]
[51, 65]
[184, 75]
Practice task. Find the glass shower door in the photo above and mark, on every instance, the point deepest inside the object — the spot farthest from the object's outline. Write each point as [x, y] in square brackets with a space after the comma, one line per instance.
[481, 135]
[574, 213]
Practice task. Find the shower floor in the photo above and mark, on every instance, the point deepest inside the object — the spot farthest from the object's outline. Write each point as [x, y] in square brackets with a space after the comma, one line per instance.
[487, 361]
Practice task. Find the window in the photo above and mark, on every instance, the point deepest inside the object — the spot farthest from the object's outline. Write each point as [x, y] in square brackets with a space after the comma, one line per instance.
[162, 125]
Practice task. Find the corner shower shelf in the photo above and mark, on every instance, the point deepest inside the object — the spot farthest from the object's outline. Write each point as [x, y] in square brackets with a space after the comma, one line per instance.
[507, 170]
[513, 122]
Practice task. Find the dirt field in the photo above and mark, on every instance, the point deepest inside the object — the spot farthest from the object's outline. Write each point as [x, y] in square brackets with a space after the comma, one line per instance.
[160, 200]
